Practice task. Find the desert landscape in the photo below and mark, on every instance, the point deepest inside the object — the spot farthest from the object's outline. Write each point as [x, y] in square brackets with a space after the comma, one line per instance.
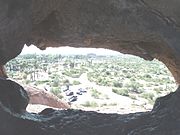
[103, 83]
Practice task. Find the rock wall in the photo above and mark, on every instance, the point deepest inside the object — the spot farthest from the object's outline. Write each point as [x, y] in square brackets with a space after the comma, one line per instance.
[140, 27]
[146, 28]
[38, 96]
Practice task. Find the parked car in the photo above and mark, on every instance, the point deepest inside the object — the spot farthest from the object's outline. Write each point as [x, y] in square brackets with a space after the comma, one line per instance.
[69, 93]
[65, 88]
[79, 93]
[82, 90]
[73, 99]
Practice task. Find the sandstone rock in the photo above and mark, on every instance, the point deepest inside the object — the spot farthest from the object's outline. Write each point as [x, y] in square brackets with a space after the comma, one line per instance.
[38, 96]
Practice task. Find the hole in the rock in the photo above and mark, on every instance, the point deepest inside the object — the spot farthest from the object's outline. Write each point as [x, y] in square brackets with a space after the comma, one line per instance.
[90, 79]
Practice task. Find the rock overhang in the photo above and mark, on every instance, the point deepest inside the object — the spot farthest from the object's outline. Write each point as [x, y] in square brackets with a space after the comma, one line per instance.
[137, 27]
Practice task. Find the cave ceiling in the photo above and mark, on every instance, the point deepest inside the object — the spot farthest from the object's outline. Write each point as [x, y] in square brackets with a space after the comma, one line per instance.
[146, 28]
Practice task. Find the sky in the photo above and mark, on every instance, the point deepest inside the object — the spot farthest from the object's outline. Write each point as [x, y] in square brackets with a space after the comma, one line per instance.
[67, 51]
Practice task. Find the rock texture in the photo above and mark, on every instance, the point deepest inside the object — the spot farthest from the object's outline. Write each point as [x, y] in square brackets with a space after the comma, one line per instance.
[146, 28]
[3, 72]
[13, 96]
[38, 96]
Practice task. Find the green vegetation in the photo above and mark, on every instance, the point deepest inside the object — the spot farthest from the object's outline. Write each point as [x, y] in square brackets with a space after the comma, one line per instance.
[90, 104]
[122, 92]
[56, 91]
[74, 73]
[76, 82]
[96, 94]
[149, 96]
[128, 76]
[132, 96]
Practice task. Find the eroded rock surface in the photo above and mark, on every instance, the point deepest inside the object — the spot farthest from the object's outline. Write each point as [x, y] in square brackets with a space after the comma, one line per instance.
[38, 96]
[13, 96]
[146, 28]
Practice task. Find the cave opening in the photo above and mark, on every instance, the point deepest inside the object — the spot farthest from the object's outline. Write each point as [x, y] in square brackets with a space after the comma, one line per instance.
[149, 29]
[90, 79]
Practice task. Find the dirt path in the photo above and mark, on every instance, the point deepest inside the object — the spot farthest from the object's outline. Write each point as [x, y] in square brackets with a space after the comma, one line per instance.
[113, 103]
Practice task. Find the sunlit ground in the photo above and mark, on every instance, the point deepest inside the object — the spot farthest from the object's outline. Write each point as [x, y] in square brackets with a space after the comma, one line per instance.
[93, 79]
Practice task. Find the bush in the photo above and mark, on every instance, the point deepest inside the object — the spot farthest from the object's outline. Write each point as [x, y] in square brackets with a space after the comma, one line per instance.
[158, 90]
[74, 73]
[27, 81]
[112, 104]
[55, 91]
[103, 104]
[135, 87]
[42, 82]
[132, 97]
[55, 82]
[65, 82]
[76, 82]
[96, 94]
[123, 92]
[60, 96]
[90, 104]
[117, 84]
[149, 97]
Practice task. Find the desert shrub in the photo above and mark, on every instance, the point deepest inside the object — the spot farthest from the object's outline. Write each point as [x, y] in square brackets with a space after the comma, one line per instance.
[147, 76]
[55, 91]
[132, 96]
[74, 73]
[96, 94]
[49, 72]
[55, 83]
[158, 90]
[90, 104]
[123, 92]
[149, 96]
[104, 104]
[60, 96]
[134, 87]
[132, 79]
[76, 82]
[89, 75]
[108, 73]
[99, 80]
[128, 76]
[105, 82]
[27, 81]
[42, 82]
[112, 104]
[118, 84]
[24, 76]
